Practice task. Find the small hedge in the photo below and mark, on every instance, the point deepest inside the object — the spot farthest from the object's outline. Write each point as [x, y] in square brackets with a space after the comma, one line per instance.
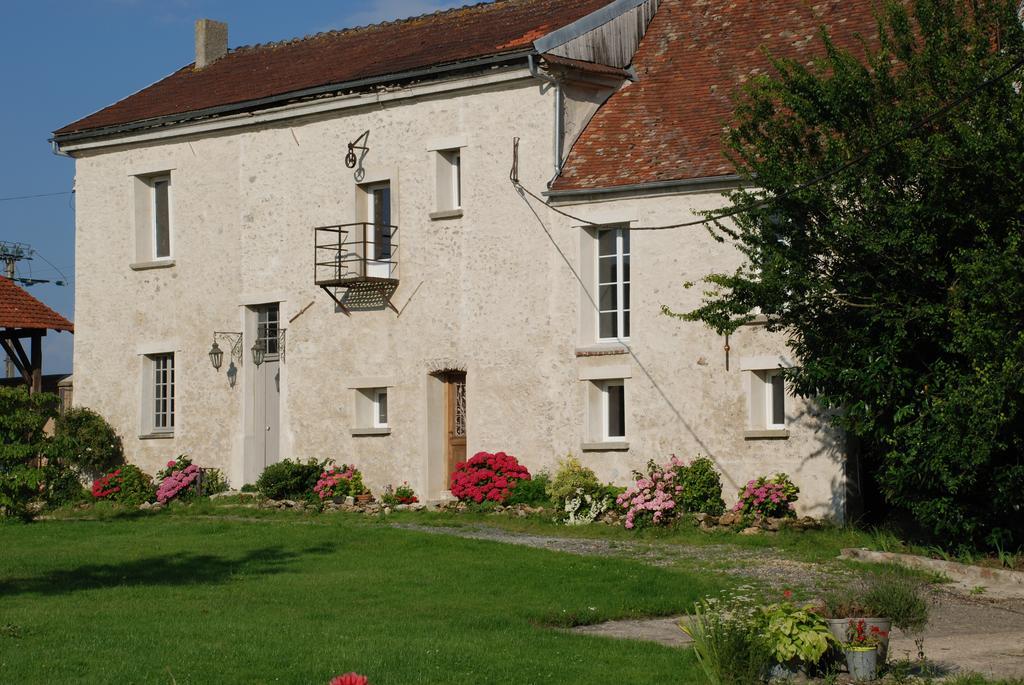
[290, 479]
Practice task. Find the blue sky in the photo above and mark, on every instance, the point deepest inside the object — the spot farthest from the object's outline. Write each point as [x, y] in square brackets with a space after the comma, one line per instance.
[65, 59]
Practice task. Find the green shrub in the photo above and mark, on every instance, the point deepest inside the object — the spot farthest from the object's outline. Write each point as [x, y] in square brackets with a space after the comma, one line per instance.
[22, 444]
[702, 487]
[570, 477]
[729, 640]
[84, 440]
[63, 485]
[900, 598]
[212, 482]
[249, 487]
[532, 492]
[290, 479]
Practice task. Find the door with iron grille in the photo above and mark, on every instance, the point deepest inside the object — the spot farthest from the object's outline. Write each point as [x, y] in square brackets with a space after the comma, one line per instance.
[455, 419]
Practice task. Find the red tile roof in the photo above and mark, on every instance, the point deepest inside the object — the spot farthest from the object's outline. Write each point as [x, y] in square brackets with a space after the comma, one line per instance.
[337, 57]
[668, 125]
[18, 309]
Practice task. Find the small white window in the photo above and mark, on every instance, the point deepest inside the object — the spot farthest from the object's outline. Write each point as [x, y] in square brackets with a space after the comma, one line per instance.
[160, 212]
[768, 403]
[449, 184]
[775, 400]
[613, 284]
[380, 408]
[613, 410]
[371, 412]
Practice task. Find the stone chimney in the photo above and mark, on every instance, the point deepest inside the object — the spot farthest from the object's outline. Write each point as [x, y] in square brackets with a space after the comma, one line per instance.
[211, 41]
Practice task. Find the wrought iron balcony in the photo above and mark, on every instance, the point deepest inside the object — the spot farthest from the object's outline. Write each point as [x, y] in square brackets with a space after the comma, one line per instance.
[355, 257]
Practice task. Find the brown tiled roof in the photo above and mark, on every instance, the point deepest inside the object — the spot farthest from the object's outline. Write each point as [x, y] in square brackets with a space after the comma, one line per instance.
[18, 309]
[337, 57]
[668, 125]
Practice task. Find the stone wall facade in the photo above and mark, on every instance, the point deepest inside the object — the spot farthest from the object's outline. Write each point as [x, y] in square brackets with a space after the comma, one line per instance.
[495, 292]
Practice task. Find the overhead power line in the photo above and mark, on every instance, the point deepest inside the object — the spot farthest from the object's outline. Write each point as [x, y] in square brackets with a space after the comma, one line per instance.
[32, 197]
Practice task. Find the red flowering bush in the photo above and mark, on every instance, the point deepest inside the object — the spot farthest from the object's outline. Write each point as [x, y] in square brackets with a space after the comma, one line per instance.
[127, 485]
[350, 679]
[487, 476]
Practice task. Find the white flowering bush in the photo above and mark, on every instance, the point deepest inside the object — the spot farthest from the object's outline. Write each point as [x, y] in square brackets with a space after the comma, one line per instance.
[583, 508]
[729, 639]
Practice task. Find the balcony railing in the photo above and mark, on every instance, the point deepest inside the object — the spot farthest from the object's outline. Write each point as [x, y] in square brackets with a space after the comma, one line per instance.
[351, 254]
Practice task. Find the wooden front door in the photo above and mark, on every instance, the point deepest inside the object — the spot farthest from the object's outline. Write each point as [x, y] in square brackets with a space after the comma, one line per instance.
[455, 419]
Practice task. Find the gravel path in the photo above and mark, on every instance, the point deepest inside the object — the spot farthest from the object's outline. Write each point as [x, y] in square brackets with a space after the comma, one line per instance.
[763, 566]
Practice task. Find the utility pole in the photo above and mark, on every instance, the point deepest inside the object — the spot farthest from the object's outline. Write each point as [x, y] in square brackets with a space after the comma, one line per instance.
[10, 255]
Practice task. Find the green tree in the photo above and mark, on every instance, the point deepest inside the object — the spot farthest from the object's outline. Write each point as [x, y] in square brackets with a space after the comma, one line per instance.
[22, 444]
[881, 232]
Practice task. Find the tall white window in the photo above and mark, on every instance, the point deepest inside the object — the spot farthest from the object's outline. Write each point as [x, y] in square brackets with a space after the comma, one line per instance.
[268, 330]
[449, 181]
[613, 409]
[380, 408]
[160, 211]
[613, 284]
[163, 392]
[775, 400]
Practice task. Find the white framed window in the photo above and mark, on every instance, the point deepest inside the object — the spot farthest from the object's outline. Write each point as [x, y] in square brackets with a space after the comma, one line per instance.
[767, 396]
[448, 172]
[268, 318]
[380, 408]
[613, 281]
[159, 404]
[775, 399]
[160, 213]
[153, 198]
[613, 410]
[371, 410]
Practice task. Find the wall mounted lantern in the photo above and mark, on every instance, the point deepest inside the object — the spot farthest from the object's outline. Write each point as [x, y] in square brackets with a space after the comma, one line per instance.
[216, 354]
[259, 350]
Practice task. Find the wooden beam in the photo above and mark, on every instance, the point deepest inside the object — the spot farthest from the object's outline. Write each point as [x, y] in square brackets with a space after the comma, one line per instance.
[36, 363]
[18, 360]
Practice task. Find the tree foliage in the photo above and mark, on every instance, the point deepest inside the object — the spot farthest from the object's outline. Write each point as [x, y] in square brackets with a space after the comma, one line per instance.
[22, 445]
[899, 280]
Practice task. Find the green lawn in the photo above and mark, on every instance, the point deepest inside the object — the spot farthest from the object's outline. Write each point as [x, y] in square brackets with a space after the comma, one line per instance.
[291, 598]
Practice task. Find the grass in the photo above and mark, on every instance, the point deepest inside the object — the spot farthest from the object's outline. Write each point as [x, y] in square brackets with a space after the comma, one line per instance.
[281, 597]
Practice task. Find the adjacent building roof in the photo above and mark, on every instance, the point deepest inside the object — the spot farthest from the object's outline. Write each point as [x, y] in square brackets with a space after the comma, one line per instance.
[18, 309]
[248, 74]
[668, 125]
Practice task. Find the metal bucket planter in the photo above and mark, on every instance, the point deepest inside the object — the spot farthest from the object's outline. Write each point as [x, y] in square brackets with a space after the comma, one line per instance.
[838, 627]
[862, 662]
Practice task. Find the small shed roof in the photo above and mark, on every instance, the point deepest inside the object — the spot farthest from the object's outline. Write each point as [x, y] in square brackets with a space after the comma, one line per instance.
[18, 309]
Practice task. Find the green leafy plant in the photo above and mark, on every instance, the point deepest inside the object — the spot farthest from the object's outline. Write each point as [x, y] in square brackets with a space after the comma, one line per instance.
[212, 482]
[63, 485]
[290, 479]
[728, 640]
[702, 487]
[23, 445]
[795, 632]
[897, 597]
[569, 477]
[84, 439]
[533, 492]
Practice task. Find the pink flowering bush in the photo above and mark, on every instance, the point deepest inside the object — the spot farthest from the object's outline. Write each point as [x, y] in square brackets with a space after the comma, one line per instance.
[339, 481]
[654, 498]
[178, 478]
[487, 476]
[764, 498]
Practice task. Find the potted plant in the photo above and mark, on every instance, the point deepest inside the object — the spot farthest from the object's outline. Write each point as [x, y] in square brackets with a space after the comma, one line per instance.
[357, 489]
[861, 647]
[798, 637]
[850, 604]
[405, 494]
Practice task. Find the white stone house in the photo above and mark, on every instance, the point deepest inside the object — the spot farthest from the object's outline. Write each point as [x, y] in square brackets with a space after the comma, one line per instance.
[406, 304]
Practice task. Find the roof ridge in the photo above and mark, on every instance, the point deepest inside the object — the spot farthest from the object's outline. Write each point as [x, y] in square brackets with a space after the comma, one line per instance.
[355, 29]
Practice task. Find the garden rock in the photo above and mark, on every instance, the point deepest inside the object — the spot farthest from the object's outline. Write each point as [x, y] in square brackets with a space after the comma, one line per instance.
[729, 518]
[752, 530]
[145, 505]
[401, 507]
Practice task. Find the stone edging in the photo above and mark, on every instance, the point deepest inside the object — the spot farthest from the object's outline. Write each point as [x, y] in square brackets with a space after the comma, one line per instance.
[997, 583]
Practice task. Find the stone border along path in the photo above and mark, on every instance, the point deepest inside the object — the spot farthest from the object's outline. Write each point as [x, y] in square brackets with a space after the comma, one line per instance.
[964, 634]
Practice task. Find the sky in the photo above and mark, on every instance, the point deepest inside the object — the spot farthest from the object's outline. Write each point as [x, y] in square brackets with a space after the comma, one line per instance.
[64, 59]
